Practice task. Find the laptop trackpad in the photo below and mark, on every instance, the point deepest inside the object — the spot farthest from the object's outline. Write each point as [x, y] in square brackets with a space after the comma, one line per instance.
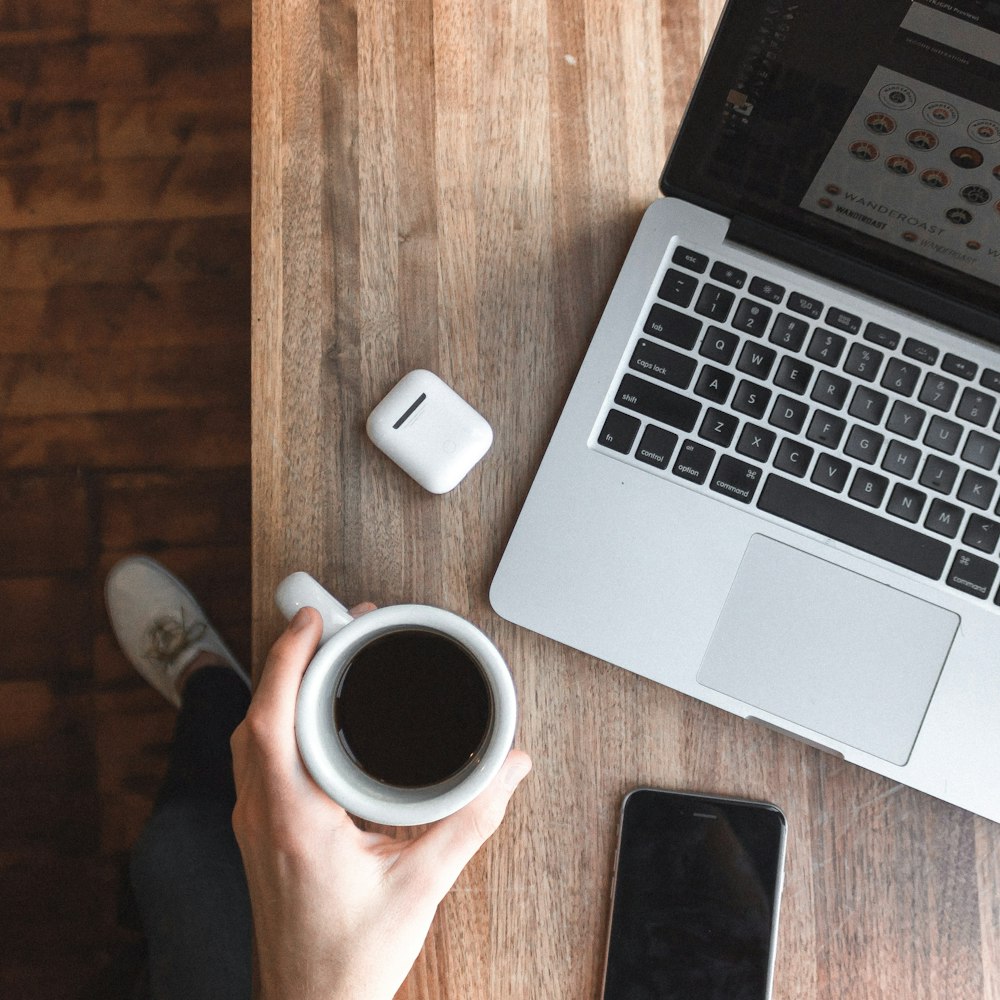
[828, 649]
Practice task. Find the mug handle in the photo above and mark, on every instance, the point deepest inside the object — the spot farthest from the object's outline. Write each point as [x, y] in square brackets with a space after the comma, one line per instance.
[300, 590]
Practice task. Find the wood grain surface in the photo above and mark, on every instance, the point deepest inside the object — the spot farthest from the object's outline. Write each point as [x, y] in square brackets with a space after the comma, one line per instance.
[453, 185]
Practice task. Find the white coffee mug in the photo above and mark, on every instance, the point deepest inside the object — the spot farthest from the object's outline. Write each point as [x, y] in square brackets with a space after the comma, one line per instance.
[323, 752]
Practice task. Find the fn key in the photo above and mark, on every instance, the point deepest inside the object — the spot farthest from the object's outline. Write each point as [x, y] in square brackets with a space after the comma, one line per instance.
[619, 431]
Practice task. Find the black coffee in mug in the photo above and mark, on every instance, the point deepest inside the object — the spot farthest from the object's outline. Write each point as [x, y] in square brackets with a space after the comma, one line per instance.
[412, 708]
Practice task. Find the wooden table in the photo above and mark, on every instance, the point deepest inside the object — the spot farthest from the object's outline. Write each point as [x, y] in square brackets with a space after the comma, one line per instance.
[453, 185]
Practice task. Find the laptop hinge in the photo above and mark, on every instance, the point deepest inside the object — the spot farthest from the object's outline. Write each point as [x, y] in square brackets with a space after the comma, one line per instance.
[863, 276]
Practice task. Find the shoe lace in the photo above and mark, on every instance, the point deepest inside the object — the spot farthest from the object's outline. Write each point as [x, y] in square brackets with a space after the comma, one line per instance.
[169, 636]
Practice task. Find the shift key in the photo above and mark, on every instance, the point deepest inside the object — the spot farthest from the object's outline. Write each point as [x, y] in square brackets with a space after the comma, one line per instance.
[658, 403]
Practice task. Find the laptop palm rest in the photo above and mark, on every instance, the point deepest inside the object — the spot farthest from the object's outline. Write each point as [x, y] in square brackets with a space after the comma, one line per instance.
[812, 643]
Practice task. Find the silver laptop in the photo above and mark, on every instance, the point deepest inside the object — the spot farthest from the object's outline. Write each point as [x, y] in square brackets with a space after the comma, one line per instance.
[774, 484]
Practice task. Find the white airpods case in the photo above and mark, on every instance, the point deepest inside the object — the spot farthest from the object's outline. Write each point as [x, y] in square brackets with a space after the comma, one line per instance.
[429, 431]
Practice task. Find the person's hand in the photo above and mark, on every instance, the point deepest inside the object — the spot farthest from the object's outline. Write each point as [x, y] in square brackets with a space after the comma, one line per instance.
[339, 913]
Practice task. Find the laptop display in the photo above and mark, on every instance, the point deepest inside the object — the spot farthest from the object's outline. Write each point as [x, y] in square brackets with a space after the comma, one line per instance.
[872, 129]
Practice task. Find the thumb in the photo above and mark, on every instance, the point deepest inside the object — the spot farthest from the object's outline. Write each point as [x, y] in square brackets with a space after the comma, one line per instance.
[448, 846]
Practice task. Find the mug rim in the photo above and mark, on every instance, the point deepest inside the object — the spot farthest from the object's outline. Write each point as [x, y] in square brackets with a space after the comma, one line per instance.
[339, 775]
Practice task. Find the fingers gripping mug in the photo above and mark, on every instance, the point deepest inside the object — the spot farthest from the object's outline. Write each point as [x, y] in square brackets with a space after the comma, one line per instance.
[405, 714]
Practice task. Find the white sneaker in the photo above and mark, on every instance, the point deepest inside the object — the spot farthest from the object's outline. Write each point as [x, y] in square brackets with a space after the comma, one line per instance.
[159, 625]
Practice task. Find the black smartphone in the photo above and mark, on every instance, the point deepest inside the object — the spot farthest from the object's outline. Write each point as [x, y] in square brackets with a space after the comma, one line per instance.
[694, 910]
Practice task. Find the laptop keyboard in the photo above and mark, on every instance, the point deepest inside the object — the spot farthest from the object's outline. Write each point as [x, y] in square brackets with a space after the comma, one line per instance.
[810, 412]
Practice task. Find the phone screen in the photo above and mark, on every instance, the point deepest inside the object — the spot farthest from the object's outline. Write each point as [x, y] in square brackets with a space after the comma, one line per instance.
[696, 896]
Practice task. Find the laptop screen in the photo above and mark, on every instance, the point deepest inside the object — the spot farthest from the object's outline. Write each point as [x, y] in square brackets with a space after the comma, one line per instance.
[867, 128]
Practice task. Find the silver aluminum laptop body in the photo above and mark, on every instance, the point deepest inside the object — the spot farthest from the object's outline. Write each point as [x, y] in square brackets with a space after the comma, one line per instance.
[619, 553]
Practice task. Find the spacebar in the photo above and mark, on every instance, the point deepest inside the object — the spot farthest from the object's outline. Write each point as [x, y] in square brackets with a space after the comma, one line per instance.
[853, 526]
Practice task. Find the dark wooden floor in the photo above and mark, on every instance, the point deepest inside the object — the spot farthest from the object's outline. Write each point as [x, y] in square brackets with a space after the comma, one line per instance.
[124, 426]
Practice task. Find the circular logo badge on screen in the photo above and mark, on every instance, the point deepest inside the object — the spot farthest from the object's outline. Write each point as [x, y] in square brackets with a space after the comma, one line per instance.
[896, 95]
[935, 178]
[880, 123]
[985, 130]
[976, 194]
[864, 150]
[920, 138]
[901, 165]
[940, 113]
[966, 157]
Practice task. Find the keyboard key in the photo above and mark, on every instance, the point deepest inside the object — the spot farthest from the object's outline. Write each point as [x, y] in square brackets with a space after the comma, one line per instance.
[694, 462]
[789, 332]
[845, 321]
[663, 364]
[656, 446]
[756, 442]
[831, 472]
[901, 459]
[901, 376]
[938, 391]
[972, 574]
[661, 404]
[875, 333]
[981, 450]
[938, 475]
[981, 533]
[854, 526]
[736, 479]
[756, 360]
[826, 347]
[944, 519]
[906, 503]
[826, 429]
[943, 435]
[788, 414]
[719, 345]
[868, 487]
[864, 444]
[793, 457]
[718, 427]
[619, 431]
[868, 404]
[905, 420]
[977, 490]
[863, 362]
[678, 287]
[672, 326]
[990, 379]
[751, 399]
[751, 317]
[920, 351]
[715, 303]
[805, 304]
[728, 274]
[690, 259]
[766, 290]
[714, 384]
[793, 375]
[830, 389]
[962, 367]
[976, 406]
